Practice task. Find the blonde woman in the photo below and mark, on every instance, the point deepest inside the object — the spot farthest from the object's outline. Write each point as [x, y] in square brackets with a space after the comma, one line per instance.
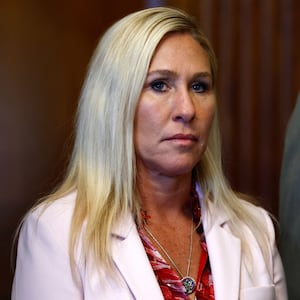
[144, 211]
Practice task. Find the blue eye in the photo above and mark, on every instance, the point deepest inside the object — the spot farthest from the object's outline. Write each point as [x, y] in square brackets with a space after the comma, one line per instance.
[159, 86]
[200, 87]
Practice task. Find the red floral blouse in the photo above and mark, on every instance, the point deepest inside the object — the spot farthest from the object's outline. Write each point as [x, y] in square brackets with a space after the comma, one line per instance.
[169, 281]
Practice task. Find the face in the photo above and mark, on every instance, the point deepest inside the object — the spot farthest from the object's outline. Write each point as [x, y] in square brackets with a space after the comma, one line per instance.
[176, 108]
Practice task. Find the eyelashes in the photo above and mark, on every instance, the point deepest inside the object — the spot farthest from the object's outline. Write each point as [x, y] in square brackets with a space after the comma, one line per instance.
[163, 85]
[159, 85]
[201, 86]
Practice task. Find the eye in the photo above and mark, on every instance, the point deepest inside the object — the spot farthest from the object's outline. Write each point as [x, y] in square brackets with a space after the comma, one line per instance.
[200, 86]
[159, 85]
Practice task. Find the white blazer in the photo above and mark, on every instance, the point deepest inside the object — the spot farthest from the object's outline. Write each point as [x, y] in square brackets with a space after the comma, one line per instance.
[43, 270]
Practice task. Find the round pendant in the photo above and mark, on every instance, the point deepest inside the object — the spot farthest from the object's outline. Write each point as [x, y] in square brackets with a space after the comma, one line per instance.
[189, 284]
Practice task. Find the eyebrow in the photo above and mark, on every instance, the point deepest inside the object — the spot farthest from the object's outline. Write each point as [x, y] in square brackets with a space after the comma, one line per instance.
[173, 74]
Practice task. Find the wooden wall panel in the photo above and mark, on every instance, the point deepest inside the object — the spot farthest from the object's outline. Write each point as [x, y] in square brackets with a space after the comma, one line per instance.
[258, 48]
[45, 48]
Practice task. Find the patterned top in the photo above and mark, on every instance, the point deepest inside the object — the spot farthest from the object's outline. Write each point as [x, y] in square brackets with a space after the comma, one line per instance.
[169, 281]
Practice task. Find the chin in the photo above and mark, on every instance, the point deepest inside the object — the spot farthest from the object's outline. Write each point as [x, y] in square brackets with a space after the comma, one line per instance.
[167, 167]
[173, 171]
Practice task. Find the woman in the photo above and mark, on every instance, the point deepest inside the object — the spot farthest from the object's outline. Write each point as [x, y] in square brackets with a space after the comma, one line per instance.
[145, 211]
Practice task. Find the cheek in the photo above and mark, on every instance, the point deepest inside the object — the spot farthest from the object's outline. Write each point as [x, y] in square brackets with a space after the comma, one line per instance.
[207, 116]
[144, 126]
[211, 117]
[143, 120]
[150, 116]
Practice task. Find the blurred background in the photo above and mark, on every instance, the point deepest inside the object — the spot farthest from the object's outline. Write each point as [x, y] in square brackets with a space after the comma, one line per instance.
[45, 47]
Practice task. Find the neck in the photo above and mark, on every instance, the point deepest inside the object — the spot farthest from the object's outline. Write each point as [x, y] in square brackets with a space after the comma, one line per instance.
[165, 197]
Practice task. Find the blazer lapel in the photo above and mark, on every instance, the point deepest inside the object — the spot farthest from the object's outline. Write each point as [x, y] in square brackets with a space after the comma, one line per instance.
[132, 261]
[225, 257]
[224, 250]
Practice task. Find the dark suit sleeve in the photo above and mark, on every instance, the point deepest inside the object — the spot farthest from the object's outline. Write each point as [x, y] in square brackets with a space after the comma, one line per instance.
[290, 204]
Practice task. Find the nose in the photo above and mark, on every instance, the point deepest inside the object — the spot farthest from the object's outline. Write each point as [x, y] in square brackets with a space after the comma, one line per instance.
[184, 107]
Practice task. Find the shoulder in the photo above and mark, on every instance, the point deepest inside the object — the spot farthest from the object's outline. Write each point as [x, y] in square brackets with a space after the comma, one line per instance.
[43, 254]
[56, 212]
[258, 211]
[248, 220]
[51, 219]
[262, 216]
[254, 208]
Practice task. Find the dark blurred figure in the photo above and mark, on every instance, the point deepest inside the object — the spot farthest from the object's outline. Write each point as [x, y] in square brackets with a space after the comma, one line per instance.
[290, 205]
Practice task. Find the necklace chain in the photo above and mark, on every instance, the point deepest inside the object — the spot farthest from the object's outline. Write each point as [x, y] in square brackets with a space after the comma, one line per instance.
[167, 254]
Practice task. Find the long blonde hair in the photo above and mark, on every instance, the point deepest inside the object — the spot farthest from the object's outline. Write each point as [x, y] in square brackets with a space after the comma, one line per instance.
[102, 169]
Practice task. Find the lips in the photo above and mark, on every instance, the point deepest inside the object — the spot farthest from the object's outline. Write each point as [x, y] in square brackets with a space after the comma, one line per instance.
[181, 136]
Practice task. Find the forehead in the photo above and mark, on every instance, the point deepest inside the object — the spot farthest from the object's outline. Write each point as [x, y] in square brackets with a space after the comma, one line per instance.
[179, 49]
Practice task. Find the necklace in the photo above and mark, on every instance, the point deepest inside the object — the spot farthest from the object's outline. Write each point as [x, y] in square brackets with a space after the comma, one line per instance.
[188, 282]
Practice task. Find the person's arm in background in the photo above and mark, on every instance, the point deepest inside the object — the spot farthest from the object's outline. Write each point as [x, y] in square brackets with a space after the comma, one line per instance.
[289, 212]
